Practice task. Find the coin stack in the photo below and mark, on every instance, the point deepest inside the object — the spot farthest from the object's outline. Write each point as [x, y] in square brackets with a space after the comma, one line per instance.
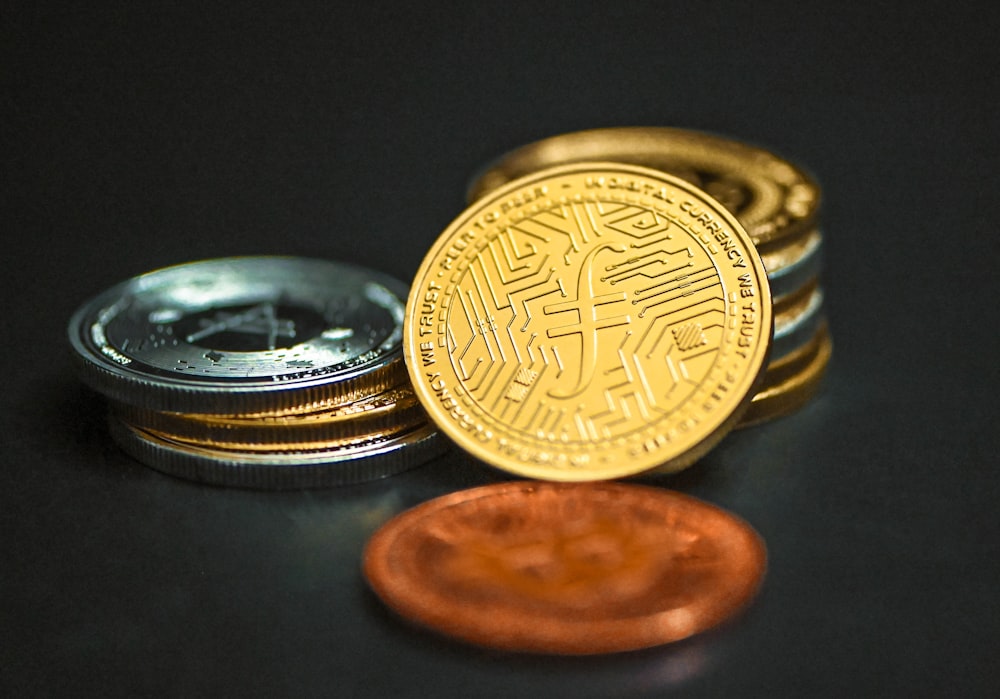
[258, 372]
[778, 205]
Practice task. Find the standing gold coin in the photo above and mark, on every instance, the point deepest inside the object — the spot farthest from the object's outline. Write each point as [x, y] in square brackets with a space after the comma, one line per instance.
[589, 321]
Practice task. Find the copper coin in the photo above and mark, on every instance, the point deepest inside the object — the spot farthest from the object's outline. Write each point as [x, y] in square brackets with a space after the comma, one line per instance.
[566, 568]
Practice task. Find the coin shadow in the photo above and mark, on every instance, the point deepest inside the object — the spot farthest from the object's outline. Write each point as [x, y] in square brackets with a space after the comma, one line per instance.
[456, 470]
[696, 476]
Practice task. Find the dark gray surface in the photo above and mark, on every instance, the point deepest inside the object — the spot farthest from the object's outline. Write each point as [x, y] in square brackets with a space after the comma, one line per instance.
[137, 138]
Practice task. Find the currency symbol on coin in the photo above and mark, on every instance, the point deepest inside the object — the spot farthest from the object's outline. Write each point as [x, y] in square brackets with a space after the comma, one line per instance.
[586, 305]
[628, 353]
[259, 320]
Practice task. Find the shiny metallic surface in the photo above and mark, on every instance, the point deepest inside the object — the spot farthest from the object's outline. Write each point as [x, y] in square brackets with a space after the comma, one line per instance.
[141, 134]
[793, 303]
[589, 321]
[243, 335]
[774, 199]
[793, 381]
[800, 353]
[794, 265]
[796, 326]
[393, 411]
[367, 460]
[553, 568]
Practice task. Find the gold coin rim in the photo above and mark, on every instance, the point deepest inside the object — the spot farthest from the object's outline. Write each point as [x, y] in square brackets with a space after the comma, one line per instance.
[385, 412]
[641, 145]
[792, 384]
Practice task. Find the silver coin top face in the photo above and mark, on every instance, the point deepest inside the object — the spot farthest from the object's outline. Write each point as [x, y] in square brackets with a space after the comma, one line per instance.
[252, 323]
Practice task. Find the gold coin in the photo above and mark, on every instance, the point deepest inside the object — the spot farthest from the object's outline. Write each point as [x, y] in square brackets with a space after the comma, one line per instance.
[386, 413]
[589, 321]
[792, 382]
[773, 199]
[800, 351]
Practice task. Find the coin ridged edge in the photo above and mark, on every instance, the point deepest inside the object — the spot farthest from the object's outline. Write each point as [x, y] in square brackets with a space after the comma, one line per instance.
[789, 276]
[793, 392]
[237, 400]
[381, 369]
[257, 434]
[792, 331]
[283, 471]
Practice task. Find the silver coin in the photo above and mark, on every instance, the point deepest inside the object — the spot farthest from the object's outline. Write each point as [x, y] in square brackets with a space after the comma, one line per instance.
[241, 335]
[376, 458]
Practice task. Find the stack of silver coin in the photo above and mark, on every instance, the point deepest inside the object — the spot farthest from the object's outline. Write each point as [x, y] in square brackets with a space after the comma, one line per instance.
[778, 204]
[258, 372]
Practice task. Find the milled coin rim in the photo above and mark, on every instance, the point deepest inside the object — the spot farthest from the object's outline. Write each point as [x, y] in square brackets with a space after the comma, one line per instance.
[787, 274]
[281, 470]
[400, 412]
[794, 382]
[796, 327]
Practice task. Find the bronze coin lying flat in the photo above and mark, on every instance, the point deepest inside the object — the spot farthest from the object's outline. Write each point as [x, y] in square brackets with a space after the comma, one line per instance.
[566, 568]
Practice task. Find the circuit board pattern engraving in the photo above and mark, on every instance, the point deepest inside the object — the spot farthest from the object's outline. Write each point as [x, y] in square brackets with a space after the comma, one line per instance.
[583, 297]
[563, 322]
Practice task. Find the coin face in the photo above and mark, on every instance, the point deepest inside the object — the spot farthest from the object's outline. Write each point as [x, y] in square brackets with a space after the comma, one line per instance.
[772, 198]
[565, 568]
[239, 335]
[587, 322]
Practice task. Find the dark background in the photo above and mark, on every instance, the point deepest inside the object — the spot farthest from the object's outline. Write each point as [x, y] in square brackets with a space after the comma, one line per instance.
[140, 136]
